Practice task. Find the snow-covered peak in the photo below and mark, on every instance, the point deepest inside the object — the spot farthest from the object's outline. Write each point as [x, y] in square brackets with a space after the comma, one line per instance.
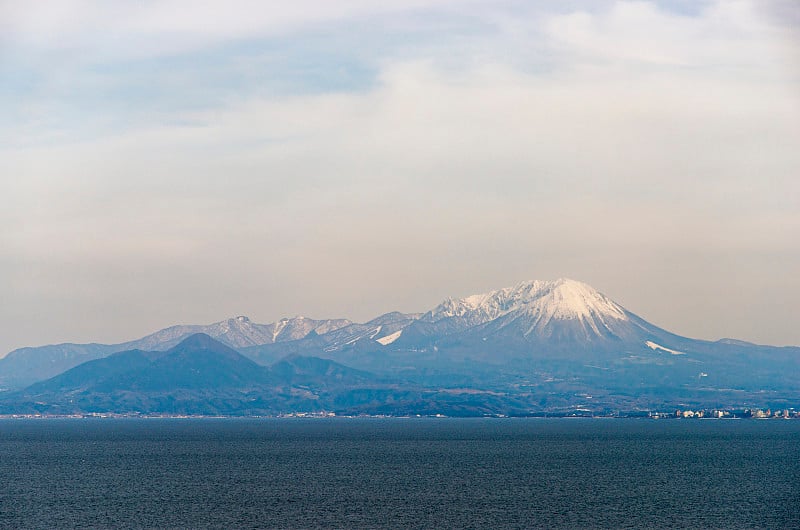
[240, 332]
[566, 299]
[561, 299]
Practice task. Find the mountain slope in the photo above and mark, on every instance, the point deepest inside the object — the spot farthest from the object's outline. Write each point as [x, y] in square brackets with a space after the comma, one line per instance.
[96, 372]
[199, 362]
[198, 376]
[24, 366]
[380, 330]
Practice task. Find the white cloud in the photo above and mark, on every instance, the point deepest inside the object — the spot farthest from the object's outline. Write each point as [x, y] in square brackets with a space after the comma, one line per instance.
[652, 145]
[152, 28]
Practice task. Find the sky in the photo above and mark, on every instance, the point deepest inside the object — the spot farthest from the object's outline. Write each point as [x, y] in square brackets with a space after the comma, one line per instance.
[188, 161]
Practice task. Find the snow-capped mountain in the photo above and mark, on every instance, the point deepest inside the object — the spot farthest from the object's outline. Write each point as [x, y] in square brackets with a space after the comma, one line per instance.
[239, 332]
[562, 299]
[382, 330]
[557, 336]
[545, 338]
[539, 309]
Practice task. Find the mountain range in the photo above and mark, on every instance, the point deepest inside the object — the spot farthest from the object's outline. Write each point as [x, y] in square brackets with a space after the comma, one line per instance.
[537, 346]
[26, 365]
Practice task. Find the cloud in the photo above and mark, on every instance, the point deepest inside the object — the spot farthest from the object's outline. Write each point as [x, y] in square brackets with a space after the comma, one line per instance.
[623, 142]
[124, 30]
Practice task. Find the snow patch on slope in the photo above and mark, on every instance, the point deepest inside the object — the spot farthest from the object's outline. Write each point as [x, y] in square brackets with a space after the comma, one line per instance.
[388, 339]
[657, 347]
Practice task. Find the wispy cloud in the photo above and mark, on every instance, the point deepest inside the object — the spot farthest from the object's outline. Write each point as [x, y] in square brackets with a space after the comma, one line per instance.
[343, 161]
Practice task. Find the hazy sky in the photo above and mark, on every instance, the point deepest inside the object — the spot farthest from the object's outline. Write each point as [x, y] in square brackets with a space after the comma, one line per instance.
[187, 161]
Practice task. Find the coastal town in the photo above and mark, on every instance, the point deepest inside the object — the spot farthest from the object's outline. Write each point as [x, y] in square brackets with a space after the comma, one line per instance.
[731, 414]
[678, 414]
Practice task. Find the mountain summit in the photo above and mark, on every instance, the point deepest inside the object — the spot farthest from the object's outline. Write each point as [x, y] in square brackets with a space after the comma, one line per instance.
[541, 302]
[561, 299]
[563, 311]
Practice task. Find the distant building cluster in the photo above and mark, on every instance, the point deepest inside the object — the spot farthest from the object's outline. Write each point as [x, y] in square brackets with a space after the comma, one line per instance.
[790, 413]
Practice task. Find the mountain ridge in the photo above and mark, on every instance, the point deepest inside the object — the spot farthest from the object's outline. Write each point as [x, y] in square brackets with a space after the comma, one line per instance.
[28, 364]
[200, 375]
[558, 340]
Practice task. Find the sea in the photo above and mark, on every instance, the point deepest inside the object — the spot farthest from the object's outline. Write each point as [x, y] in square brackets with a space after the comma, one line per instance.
[399, 473]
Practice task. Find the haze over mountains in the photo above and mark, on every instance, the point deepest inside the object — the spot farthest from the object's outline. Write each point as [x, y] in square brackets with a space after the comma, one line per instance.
[540, 345]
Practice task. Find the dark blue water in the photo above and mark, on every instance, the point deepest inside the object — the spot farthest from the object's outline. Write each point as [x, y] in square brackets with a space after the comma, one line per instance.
[395, 473]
